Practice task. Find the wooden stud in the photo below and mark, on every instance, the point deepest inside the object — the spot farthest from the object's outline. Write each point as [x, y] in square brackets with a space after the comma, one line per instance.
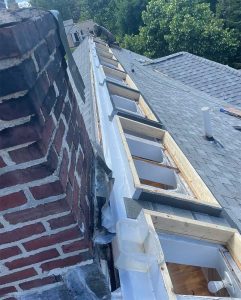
[218, 234]
[147, 110]
[116, 89]
[141, 128]
[191, 228]
[128, 153]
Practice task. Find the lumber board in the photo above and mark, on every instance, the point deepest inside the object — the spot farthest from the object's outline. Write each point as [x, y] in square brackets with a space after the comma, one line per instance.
[114, 72]
[109, 61]
[130, 82]
[142, 128]
[191, 228]
[106, 54]
[128, 153]
[146, 109]
[192, 178]
[116, 89]
[234, 247]
[156, 163]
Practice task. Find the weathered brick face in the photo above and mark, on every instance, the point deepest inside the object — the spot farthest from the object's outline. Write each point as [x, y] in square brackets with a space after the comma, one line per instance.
[46, 158]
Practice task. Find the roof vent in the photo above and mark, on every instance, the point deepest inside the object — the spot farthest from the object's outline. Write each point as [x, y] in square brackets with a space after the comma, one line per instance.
[207, 123]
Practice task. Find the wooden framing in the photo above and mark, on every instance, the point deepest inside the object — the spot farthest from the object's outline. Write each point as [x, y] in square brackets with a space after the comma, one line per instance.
[102, 47]
[202, 195]
[225, 236]
[114, 72]
[123, 91]
[106, 54]
[133, 95]
[122, 75]
[218, 234]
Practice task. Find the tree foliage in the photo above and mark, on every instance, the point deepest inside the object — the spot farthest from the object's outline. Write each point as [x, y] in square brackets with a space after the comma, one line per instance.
[128, 15]
[183, 25]
[70, 9]
[230, 12]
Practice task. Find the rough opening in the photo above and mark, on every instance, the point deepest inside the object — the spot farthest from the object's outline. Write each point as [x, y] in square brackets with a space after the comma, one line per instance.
[144, 148]
[126, 104]
[155, 175]
[192, 280]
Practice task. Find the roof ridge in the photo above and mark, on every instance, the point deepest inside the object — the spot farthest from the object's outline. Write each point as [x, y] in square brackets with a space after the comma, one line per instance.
[197, 57]
[157, 60]
[214, 63]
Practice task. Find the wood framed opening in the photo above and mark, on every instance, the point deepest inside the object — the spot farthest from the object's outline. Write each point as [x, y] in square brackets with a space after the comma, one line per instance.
[159, 167]
[196, 253]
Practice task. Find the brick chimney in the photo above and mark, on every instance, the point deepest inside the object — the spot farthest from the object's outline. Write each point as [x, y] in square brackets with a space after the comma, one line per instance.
[45, 157]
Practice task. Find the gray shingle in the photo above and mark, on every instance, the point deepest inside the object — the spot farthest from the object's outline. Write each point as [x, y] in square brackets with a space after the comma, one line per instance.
[213, 78]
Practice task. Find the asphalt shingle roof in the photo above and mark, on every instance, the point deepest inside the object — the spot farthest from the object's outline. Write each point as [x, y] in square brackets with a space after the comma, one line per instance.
[202, 74]
[179, 108]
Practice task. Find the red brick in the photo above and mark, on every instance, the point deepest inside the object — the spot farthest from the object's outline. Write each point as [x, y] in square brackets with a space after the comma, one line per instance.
[53, 159]
[2, 163]
[12, 200]
[62, 87]
[25, 175]
[38, 212]
[41, 54]
[49, 102]
[70, 134]
[80, 161]
[21, 233]
[66, 262]
[18, 39]
[47, 190]
[76, 194]
[67, 111]
[17, 276]
[7, 290]
[47, 133]
[16, 108]
[63, 175]
[75, 246]
[24, 133]
[58, 140]
[22, 77]
[28, 285]
[53, 67]
[76, 138]
[31, 152]
[69, 194]
[54, 239]
[72, 166]
[33, 259]
[61, 222]
[38, 93]
[45, 24]
[9, 252]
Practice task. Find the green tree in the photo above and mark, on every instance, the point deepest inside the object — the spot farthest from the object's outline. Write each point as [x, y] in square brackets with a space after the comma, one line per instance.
[183, 25]
[102, 12]
[128, 15]
[70, 9]
[230, 12]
